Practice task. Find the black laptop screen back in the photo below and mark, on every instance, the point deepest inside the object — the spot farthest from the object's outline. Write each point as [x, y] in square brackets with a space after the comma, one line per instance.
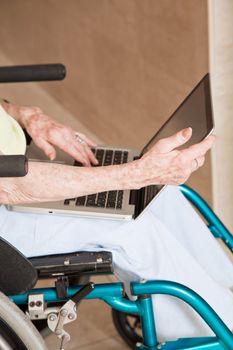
[195, 112]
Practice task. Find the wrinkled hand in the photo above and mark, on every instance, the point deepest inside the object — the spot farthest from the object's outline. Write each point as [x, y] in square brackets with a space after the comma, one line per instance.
[164, 164]
[47, 133]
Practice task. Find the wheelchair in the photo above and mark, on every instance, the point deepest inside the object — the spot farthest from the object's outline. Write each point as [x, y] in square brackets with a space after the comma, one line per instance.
[57, 306]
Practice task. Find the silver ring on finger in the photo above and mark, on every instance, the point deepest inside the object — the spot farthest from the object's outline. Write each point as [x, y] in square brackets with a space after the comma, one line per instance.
[196, 163]
[79, 139]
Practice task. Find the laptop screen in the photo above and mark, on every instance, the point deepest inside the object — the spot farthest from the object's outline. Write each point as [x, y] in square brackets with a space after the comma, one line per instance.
[195, 112]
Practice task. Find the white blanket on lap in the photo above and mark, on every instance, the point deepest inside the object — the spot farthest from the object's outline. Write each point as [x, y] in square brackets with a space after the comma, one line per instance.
[169, 241]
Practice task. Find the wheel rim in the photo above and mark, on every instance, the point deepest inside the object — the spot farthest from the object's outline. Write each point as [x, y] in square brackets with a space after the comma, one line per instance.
[9, 337]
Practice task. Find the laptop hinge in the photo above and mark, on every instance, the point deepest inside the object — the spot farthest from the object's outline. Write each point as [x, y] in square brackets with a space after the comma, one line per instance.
[133, 197]
[139, 201]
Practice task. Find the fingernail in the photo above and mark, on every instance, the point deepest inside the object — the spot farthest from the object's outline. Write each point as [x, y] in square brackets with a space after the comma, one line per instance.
[96, 161]
[186, 132]
[51, 156]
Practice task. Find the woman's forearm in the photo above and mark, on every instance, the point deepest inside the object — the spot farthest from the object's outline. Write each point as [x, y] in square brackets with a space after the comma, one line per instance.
[162, 164]
[51, 182]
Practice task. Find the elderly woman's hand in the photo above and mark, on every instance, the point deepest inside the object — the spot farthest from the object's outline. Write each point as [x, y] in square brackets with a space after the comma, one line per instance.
[164, 164]
[47, 133]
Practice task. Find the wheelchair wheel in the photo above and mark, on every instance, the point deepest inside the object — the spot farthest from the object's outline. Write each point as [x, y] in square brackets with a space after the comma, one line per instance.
[128, 327]
[16, 330]
[8, 338]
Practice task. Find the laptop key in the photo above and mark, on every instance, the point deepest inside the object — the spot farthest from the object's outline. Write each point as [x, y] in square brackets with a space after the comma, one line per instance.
[80, 201]
[108, 157]
[102, 194]
[111, 201]
[125, 157]
[112, 196]
[66, 202]
[119, 199]
[118, 153]
[119, 205]
[99, 156]
[92, 196]
[91, 200]
[101, 204]
[101, 199]
[91, 204]
[117, 157]
[111, 205]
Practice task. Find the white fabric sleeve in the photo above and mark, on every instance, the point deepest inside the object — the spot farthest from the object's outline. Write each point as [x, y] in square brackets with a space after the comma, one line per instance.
[12, 138]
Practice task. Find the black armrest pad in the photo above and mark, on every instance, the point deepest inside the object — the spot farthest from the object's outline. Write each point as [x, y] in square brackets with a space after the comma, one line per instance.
[78, 263]
[17, 274]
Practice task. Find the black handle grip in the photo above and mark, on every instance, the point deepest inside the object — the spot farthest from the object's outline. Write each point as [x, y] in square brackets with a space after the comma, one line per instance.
[85, 290]
[13, 166]
[35, 72]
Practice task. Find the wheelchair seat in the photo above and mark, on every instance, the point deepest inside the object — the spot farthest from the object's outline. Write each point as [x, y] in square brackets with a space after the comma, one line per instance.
[73, 264]
[72, 268]
[19, 274]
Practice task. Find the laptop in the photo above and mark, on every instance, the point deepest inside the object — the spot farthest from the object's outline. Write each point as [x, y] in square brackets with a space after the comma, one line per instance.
[195, 111]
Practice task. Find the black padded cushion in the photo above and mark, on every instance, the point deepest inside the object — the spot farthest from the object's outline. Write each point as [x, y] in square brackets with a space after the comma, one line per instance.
[17, 274]
[77, 263]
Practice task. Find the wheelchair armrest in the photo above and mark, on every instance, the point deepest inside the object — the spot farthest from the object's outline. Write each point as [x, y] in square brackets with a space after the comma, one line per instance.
[76, 264]
[17, 274]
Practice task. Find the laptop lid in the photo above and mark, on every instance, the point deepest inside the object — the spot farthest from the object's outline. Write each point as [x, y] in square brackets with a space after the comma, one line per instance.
[195, 112]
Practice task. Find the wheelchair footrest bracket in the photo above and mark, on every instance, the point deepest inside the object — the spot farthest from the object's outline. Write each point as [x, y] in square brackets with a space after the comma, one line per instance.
[56, 321]
[57, 317]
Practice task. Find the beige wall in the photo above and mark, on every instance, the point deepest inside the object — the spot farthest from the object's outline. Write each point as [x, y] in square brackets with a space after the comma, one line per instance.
[221, 63]
[129, 62]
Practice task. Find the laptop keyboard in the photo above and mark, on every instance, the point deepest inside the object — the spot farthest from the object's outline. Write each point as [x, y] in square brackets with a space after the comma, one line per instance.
[110, 199]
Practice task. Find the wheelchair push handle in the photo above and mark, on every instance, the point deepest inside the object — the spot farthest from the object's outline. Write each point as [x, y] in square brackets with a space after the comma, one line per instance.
[29, 73]
[13, 166]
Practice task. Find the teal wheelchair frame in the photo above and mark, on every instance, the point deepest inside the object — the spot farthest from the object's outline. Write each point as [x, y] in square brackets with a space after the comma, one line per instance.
[113, 294]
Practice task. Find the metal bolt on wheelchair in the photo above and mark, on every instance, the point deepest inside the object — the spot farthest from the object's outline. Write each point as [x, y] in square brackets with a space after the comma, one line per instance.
[57, 306]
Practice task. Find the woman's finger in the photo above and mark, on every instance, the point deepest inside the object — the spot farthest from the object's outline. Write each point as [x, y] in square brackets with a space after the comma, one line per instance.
[85, 150]
[199, 149]
[90, 155]
[64, 138]
[82, 146]
[48, 149]
[167, 144]
[88, 141]
[77, 153]
[72, 143]
[197, 163]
